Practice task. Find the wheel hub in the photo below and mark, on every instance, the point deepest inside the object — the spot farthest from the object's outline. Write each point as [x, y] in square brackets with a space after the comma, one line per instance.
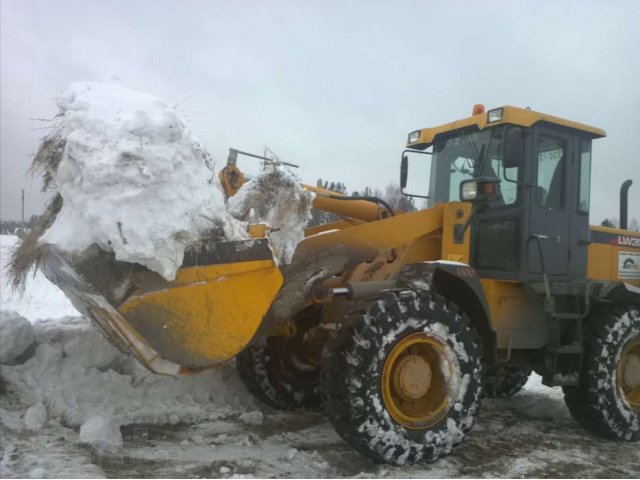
[629, 374]
[416, 380]
[413, 378]
[632, 371]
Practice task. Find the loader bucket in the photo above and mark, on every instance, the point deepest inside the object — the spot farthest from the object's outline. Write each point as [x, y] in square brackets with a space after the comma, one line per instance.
[204, 317]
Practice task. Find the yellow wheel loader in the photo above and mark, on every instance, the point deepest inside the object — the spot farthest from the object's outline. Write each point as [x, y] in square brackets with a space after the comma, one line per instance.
[399, 323]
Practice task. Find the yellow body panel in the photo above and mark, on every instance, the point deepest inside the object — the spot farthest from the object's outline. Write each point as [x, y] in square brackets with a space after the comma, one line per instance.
[511, 115]
[326, 227]
[600, 263]
[605, 256]
[208, 314]
[377, 237]
[455, 213]
[517, 315]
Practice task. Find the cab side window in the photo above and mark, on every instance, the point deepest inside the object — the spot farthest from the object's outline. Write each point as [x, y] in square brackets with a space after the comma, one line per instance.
[552, 153]
[585, 176]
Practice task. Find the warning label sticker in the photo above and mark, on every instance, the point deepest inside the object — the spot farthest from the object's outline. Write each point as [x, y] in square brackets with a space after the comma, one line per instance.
[629, 265]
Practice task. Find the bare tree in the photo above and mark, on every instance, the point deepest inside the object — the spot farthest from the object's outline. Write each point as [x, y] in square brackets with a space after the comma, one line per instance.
[320, 217]
[398, 201]
[610, 222]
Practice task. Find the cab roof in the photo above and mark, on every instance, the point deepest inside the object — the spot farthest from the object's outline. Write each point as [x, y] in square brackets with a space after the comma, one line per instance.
[510, 115]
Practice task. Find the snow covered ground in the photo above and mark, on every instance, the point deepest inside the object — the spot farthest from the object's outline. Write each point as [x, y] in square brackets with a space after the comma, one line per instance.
[75, 391]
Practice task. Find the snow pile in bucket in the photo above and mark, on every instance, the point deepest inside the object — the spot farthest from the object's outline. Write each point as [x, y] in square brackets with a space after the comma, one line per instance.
[129, 177]
[132, 178]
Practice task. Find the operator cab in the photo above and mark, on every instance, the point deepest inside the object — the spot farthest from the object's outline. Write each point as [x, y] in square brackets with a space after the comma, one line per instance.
[528, 177]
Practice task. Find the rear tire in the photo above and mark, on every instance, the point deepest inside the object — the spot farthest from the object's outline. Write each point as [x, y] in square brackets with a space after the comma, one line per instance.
[607, 402]
[364, 375]
[277, 372]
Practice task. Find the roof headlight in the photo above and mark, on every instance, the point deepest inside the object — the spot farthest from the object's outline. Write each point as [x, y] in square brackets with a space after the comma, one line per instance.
[414, 136]
[494, 115]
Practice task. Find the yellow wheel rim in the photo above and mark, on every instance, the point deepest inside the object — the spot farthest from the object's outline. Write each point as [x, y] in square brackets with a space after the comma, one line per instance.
[628, 377]
[417, 381]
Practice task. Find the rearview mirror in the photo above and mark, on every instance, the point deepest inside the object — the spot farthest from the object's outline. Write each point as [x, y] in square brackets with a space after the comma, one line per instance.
[513, 147]
[418, 184]
[404, 170]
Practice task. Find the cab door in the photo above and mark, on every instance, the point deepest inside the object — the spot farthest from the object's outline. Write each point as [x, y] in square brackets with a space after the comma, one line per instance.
[550, 212]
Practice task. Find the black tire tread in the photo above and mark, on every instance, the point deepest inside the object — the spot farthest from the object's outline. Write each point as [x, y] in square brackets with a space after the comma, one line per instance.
[589, 405]
[258, 375]
[508, 385]
[336, 373]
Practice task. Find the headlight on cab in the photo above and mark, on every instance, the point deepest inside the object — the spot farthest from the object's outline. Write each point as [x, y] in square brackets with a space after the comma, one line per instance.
[480, 189]
[495, 115]
[414, 136]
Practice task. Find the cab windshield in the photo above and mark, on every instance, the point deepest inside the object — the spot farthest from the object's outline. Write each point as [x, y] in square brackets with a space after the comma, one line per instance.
[468, 154]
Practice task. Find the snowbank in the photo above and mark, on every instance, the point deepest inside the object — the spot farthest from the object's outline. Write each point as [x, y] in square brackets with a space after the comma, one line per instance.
[132, 177]
[36, 417]
[40, 298]
[16, 336]
[77, 375]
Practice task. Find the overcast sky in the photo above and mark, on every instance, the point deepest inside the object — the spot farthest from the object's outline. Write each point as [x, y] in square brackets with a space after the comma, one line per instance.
[333, 86]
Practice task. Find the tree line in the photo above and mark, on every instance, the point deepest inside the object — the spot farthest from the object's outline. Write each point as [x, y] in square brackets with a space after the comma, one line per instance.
[613, 222]
[9, 227]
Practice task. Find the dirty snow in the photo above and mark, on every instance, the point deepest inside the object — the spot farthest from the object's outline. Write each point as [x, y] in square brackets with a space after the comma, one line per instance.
[276, 198]
[16, 336]
[35, 417]
[133, 178]
[102, 433]
[254, 418]
[193, 428]
[77, 374]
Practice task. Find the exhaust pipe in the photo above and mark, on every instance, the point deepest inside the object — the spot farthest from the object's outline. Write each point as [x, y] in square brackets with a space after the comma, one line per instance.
[624, 203]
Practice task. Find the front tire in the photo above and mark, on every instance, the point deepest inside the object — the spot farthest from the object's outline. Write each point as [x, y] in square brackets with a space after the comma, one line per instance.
[402, 379]
[607, 401]
[283, 372]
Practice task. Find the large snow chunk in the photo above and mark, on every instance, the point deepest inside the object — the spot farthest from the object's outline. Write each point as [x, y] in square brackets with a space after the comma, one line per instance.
[35, 417]
[102, 433]
[255, 418]
[277, 198]
[132, 177]
[16, 336]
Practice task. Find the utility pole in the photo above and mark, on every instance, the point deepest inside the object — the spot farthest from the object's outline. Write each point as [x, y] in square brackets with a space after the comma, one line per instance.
[23, 208]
